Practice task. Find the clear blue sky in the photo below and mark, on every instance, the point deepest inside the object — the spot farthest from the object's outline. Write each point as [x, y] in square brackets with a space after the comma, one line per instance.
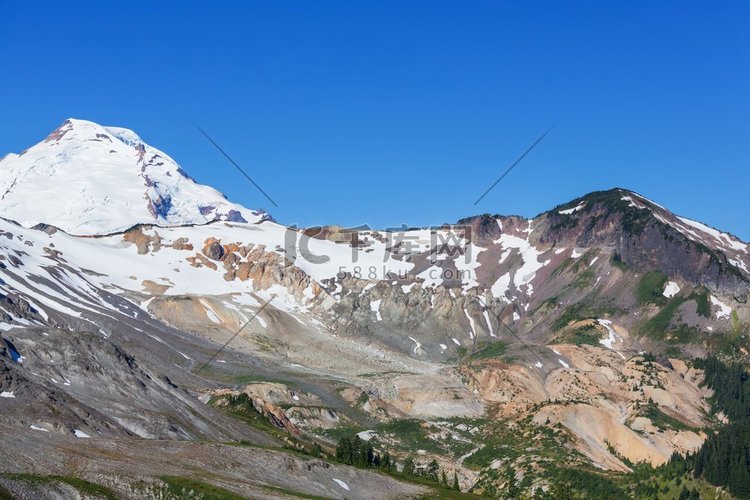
[403, 112]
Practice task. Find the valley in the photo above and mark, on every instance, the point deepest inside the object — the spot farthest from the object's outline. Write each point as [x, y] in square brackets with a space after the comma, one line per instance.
[153, 330]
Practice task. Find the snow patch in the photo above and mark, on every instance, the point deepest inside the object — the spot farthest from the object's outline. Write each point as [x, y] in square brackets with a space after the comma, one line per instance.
[739, 264]
[432, 276]
[417, 346]
[467, 269]
[723, 239]
[724, 310]
[261, 321]
[245, 299]
[633, 203]
[612, 338]
[342, 484]
[501, 286]
[473, 332]
[308, 292]
[489, 324]
[366, 435]
[572, 210]
[523, 275]
[375, 307]
[210, 313]
[671, 289]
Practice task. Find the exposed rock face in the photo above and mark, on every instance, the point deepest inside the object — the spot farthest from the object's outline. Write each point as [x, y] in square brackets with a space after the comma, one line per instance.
[432, 396]
[213, 249]
[144, 242]
[485, 228]
[601, 399]
[646, 237]
[276, 415]
[19, 308]
[280, 394]
[160, 206]
[182, 244]
[66, 381]
[265, 399]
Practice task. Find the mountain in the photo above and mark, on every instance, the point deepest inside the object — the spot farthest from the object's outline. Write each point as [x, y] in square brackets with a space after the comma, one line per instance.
[143, 306]
[108, 180]
[651, 237]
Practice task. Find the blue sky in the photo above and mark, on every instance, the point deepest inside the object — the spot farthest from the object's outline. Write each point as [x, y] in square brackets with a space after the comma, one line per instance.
[403, 112]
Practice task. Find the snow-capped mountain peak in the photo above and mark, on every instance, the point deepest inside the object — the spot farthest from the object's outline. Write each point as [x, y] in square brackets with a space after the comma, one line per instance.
[89, 179]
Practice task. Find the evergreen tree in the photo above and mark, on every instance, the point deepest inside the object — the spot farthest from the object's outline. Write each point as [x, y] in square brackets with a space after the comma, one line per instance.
[432, 470]
[359, 456]
[409, 466]
[724, 458]
[386, 462]
[344, 451]
[456, 486]
[511, 490]
[561, 491]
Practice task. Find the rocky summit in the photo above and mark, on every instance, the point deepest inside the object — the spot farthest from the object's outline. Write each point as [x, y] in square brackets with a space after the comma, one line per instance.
[156, 337]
